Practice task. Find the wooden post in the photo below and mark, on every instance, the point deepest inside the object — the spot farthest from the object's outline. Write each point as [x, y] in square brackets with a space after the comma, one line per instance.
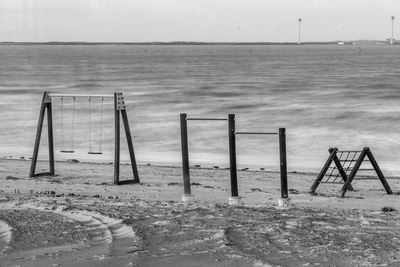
[322, 173]
[117, 139]
[43, 107]
[232, 155]
[359, 161]
[130, 146]
[185, 154]
[378, 171]
[283, 163]
[50, 137]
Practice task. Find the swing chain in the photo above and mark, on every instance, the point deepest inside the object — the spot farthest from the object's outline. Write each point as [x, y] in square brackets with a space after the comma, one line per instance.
[62, 124]
[91, 151]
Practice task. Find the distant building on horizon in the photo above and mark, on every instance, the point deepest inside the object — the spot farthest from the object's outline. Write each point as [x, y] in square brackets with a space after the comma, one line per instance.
[391, 41]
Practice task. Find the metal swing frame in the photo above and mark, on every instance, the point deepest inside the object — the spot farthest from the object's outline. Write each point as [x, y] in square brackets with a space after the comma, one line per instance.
[119, 111]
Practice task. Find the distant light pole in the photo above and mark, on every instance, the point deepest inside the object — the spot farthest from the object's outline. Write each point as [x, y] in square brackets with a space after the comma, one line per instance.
[299, 42]
[277, 34]
[342, 42]
[203, 30]
[391, 40]
[238, 28]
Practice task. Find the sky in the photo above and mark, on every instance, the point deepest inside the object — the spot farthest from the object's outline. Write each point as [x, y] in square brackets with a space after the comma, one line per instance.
[197, 20]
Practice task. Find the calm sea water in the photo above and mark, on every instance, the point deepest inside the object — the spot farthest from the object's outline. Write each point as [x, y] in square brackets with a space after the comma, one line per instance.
[326, 96]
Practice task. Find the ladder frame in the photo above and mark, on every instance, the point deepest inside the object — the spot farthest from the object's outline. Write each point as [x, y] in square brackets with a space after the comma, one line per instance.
[365, 152]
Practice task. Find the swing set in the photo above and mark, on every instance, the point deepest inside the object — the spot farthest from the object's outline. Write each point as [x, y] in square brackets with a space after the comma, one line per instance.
[119, 111]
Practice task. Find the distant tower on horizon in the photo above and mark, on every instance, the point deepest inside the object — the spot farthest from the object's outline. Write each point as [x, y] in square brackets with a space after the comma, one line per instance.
[391, 39]
[238, 28]
[277, 34]
[299, 42]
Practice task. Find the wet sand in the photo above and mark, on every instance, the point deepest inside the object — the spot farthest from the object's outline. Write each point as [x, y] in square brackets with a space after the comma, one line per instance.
[79, 218]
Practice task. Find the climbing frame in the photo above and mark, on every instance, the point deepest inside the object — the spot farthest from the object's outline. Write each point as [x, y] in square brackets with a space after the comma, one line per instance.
[346, 165]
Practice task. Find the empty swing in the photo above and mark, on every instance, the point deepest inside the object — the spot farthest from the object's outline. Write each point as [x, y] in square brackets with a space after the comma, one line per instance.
[100, 135]
[63, 149]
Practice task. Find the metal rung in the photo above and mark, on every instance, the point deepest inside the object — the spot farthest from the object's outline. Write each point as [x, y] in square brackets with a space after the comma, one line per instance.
[349, 151]
[341, 182]
[67, 151]
[80, 95]
[366, 178]
[351, 160]
[362, 169]
[263, 133]
[205, 119]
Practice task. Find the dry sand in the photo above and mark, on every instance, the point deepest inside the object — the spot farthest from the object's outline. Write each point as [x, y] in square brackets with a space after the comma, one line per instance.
[79, 218]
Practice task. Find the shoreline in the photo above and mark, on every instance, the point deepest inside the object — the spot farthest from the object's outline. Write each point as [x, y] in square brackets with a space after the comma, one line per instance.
[192, 167]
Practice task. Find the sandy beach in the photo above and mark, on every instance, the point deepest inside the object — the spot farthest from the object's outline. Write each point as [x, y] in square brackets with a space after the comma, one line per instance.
[79, 218]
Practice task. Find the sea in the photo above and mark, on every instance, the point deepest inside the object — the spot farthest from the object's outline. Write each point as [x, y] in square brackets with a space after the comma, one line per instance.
[344, 96]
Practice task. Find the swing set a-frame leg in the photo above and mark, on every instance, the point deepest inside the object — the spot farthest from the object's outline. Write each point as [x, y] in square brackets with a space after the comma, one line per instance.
[45, 106]
[120, 110]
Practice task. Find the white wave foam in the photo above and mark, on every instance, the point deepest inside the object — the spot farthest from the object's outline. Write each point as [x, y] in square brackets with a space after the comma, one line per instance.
[5, 236]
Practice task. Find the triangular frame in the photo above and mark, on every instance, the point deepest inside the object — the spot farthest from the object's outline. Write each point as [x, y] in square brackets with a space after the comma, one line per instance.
[119, 111]
[366, 152]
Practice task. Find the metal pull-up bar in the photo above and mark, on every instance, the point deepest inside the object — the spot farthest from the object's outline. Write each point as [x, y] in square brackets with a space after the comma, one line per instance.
[205, 119]
[232, 155]
[185, 148]
[80, 95]
[257, 133]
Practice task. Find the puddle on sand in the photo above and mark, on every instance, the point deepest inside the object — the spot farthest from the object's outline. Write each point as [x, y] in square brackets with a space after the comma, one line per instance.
[111, 241]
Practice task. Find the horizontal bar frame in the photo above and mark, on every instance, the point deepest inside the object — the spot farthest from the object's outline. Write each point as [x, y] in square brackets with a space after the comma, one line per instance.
[259, 133]
[205, 119]
[80, 95]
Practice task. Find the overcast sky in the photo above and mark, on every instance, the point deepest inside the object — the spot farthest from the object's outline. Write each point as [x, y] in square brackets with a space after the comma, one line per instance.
[197, 20]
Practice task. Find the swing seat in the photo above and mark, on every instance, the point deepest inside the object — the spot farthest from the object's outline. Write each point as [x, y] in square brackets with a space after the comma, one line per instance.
[95, 152]
[67, 151]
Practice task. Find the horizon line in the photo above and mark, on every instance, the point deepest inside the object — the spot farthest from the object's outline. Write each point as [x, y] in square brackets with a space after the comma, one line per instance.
[372, 41]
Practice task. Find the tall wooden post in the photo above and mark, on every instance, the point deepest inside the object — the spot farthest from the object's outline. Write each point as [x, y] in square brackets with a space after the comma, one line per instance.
[120, 110]
[117, 139]
[283, 163]
[232, 155]
[45, 105]
[50, 136]
[185, 154]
